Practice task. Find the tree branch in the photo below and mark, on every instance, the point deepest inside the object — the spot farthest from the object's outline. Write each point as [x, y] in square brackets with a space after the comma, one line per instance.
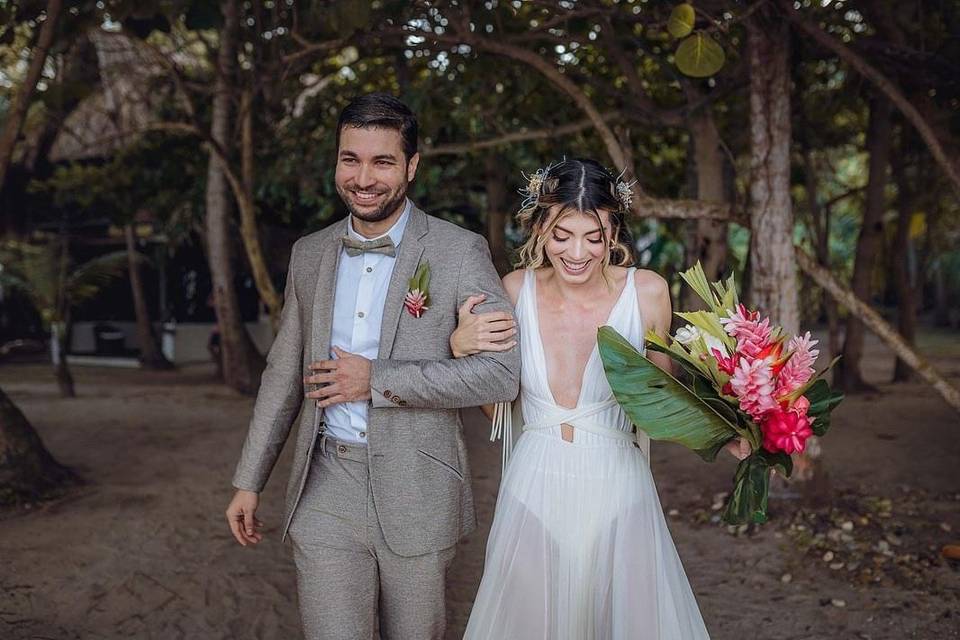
[882, 83]
[459, 148]
[879, 326]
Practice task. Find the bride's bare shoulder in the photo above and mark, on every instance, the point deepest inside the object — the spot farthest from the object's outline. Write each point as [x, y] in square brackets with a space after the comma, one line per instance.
[650, 284]
[513, 282]
[653, 298]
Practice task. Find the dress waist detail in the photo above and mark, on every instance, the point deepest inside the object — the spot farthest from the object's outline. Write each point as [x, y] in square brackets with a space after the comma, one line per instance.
[551, 415]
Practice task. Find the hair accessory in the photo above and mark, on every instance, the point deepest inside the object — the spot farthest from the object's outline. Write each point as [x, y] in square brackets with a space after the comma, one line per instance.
[531, 192]
[625, 191]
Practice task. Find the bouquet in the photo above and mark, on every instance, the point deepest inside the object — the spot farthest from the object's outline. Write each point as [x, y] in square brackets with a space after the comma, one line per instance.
[743, 377]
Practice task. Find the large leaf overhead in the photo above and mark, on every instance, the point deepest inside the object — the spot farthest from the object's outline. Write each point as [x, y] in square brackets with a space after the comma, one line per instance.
[681, 20]
[699, 56]
[659, 404]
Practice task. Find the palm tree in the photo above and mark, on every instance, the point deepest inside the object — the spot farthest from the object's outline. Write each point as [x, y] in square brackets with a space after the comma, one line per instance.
[46, 273]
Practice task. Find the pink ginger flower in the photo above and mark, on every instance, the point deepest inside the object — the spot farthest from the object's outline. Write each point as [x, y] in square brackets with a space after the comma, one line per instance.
[753, 385]
[725, 364]
[786, 430]
[751, 333]
[801, 405]
[799, 368]
[415, 302]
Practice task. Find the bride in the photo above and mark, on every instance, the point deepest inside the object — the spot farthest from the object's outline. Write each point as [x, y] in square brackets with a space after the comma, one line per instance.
[579, 547]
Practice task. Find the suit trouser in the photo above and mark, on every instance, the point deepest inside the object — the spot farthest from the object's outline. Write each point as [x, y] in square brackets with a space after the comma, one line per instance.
[346, 571]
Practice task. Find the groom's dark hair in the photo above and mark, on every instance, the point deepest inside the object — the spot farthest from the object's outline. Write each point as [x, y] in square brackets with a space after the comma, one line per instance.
[381, 110]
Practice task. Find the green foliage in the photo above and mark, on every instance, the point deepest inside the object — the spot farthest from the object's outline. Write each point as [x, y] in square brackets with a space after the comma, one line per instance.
[681, 21]
[421, 281]
[50, 279]
[699, 56]
[161, 174]
[656, 402]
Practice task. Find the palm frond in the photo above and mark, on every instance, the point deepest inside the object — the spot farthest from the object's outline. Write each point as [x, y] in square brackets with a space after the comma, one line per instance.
[92, 276]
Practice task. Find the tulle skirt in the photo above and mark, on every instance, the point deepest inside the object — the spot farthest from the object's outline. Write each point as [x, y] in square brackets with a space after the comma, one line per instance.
[580, 550]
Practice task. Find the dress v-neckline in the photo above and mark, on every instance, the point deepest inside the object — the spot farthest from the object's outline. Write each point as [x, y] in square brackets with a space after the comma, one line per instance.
[593, 352]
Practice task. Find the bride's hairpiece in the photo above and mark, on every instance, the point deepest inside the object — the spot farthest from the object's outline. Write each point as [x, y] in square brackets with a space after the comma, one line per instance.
[624, 191]
[531, 192]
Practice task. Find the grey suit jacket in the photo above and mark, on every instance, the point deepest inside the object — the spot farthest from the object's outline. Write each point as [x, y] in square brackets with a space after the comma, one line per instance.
[417, 458]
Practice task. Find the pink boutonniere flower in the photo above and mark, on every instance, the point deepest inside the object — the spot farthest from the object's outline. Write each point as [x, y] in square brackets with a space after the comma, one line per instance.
[415, 302]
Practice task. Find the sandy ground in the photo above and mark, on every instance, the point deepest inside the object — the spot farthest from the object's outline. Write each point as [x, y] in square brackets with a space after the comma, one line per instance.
[142, 551]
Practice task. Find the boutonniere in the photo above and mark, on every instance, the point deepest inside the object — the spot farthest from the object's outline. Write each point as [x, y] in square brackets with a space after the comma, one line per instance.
[418, 295]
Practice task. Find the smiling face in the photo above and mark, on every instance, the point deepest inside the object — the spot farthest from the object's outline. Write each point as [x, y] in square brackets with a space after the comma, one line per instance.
[373, 175]
[576, 244]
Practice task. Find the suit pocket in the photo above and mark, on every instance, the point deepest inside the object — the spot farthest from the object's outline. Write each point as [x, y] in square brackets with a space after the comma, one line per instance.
[446, 465]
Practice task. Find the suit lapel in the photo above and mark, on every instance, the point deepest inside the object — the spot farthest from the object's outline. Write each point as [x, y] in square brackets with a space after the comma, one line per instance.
[322, 316]
[408, 259]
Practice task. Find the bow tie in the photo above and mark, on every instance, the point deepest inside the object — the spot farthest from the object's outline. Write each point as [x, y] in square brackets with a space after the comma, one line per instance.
[382, 245]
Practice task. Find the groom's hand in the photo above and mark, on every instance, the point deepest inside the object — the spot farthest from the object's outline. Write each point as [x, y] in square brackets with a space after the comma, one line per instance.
[241, 514]
[345, 379]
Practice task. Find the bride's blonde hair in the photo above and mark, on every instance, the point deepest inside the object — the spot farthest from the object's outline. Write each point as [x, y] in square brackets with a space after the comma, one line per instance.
[580, 185]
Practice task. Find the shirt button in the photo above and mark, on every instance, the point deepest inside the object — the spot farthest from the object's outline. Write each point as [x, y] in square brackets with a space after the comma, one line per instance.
[363, 434]
[360, 314]
[369, 269]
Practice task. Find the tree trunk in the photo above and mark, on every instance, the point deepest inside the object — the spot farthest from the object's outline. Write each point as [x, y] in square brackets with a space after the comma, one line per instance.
[150, 355]
[709, 244]
[248, 216]
[847, 374]
[18, 111]
[941, 297]
[58, 356]
[496, 187]
[241, 361]
[773, 277]
[27, 470]
[903, 277]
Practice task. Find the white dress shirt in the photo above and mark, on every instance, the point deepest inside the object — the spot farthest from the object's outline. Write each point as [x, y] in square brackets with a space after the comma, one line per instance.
[362, 283]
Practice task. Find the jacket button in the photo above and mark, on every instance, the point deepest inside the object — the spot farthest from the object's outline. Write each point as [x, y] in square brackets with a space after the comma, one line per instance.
[341, 449]
[387, 394]
[402, 403]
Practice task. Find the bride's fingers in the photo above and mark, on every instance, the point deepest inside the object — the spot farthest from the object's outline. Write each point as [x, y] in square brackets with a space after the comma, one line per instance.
[499, 346]
[467, 307]
[499, 324]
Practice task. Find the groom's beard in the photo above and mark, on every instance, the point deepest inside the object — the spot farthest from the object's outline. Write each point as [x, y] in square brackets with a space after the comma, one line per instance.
[382, 212]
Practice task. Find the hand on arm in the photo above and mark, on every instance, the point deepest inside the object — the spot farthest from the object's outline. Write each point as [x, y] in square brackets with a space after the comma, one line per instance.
[479, 332]
[487, 331]
[455, 383]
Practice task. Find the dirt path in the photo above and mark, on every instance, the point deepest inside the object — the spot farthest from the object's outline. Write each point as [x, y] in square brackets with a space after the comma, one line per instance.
[142, 551]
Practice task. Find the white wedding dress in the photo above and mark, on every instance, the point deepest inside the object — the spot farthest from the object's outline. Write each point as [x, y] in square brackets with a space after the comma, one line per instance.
[579, 548]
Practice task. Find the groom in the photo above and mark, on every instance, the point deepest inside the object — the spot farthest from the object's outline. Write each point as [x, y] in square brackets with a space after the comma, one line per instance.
[379, 493]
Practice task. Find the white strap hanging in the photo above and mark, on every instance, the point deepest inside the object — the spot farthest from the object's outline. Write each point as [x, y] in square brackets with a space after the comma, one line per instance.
[502, 428]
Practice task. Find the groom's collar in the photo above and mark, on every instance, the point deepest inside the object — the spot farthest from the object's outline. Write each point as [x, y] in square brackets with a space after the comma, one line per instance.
[395, 232]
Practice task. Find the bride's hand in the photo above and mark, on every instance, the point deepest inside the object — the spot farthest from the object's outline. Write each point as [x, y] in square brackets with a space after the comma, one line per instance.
[739, 448]
[482, 331]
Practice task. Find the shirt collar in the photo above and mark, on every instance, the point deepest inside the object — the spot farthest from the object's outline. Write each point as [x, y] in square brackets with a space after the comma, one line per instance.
[395, 232]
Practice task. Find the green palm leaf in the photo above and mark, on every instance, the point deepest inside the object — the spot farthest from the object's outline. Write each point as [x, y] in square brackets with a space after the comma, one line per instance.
[657, 403]
[92, 276]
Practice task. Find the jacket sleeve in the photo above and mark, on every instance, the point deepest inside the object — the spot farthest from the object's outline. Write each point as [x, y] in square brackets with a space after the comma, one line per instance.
[280, 395]
[455, 383]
